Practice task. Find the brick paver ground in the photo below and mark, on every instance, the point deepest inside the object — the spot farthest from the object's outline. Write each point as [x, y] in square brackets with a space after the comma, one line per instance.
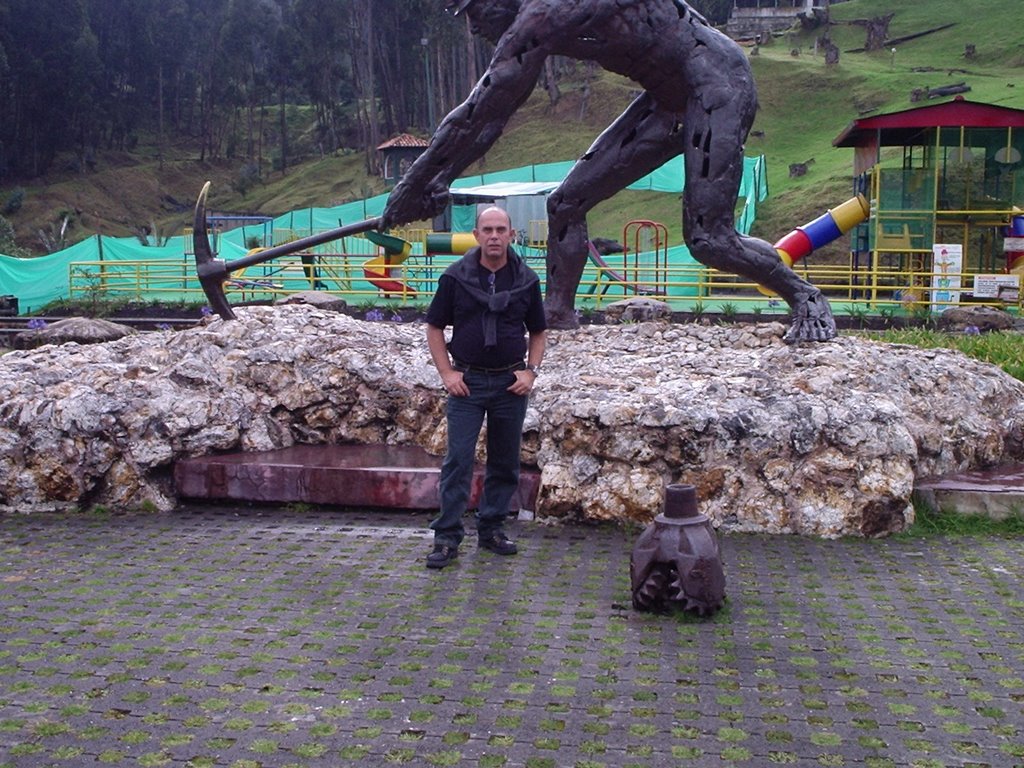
[276, 637]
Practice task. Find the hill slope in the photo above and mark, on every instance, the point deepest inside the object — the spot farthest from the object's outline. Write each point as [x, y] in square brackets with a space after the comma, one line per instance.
[804, 105]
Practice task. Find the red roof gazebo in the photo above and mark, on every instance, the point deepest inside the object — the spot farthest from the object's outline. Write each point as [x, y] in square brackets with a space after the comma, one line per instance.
[917, 127]
[398, 153]
[944, 177]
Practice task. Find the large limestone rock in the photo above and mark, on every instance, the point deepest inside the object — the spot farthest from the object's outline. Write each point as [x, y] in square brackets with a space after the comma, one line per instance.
[822, 439]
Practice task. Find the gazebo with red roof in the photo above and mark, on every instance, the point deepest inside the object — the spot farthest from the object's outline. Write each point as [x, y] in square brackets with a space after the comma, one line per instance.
[938, 175]
[397, 154]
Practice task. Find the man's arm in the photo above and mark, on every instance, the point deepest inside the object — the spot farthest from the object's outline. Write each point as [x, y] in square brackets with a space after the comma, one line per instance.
[535, 348]
[451, 378]
[526, 378]
[469, 130]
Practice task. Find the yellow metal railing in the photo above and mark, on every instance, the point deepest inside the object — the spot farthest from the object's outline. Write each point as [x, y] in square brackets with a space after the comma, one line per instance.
[682, 287]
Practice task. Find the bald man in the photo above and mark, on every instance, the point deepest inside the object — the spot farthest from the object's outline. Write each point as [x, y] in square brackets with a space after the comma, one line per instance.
[492, 301]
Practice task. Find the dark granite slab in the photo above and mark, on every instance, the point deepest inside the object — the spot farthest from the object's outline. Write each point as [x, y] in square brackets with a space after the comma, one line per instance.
[403, 477]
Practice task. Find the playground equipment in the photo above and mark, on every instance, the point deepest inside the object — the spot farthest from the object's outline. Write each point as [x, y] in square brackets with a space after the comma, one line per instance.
[831, 225]
[938, 176]
[384, 271]
[643, 277]
[455, 243]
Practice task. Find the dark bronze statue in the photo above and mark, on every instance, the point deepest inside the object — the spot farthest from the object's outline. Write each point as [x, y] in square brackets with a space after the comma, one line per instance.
[699, 99]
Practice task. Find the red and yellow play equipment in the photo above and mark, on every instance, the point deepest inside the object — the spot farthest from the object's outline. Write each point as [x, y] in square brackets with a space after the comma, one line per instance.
[384, 271]
[831, 225]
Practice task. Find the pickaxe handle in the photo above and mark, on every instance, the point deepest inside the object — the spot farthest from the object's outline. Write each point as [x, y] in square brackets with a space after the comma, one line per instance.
[213, 271]
[302, 244]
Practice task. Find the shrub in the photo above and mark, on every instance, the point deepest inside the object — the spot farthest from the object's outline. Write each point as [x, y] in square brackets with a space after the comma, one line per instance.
[14, 201]
[247, 178]
[8, 245]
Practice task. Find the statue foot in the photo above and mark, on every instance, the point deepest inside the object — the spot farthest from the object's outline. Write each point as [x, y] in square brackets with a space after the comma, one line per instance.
[561, 319]
[812, 320]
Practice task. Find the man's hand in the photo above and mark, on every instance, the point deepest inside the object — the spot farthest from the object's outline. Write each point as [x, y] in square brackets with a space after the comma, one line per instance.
[414, 201]
[454, 384]
[524, 382]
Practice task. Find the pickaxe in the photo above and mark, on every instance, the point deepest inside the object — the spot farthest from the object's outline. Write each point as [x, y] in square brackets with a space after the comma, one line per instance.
[213, 271]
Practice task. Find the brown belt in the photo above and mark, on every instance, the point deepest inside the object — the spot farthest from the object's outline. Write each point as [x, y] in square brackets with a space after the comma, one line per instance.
[458, 365]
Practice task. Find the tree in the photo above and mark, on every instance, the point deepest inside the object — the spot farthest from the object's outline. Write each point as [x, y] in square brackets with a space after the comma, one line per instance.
[324, 63]
[35, 37]
[715, 11]
[79, 75]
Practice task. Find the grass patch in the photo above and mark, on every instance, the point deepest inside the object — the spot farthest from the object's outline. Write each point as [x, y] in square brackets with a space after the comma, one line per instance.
[929, 522]
[1002, 348]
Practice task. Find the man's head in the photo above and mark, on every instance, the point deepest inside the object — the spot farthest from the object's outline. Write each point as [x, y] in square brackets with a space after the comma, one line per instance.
[494, 233]
[487, 18]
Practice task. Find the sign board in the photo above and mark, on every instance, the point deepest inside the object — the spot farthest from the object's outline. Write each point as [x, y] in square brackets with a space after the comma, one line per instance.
[1002, 287]
[947, 266]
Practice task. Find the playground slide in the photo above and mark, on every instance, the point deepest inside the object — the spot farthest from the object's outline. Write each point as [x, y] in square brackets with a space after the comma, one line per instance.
[384, 271]
[609, 276]
[832, 224]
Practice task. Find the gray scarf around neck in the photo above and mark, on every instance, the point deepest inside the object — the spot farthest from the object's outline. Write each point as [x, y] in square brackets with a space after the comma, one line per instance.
[464, 271]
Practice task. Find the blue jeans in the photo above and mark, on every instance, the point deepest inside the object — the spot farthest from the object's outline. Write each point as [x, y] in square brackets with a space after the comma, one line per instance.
[505, 412]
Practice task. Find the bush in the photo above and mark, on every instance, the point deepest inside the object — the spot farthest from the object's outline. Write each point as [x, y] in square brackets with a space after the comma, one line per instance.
[8, 245]
[247, 178]
[14, 201]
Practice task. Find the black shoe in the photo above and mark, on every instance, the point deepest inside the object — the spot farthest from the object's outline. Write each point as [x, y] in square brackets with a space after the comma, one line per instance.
[499, 543]
[442, 555]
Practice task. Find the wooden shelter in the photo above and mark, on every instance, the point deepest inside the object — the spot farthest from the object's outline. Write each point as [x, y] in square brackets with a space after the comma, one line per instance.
[942, 175]
[397, 154]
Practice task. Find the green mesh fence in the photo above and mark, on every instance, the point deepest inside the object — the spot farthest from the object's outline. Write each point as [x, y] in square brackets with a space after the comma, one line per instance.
[39, 281]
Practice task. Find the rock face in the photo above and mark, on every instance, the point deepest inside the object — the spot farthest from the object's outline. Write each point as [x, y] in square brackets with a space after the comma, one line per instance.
[980, 319]
[820, 439]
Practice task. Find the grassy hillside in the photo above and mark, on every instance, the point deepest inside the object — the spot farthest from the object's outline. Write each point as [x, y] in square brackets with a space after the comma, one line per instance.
[804, 106]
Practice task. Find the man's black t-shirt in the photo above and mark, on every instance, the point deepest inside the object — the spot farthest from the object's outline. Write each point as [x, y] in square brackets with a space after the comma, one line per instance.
[453, 305]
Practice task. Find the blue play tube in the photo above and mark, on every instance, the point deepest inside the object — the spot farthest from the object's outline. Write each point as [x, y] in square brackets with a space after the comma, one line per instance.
[822, 231]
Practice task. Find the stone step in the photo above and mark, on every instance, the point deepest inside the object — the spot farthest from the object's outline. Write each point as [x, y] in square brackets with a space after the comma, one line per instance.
[997, 492]
[392, 476]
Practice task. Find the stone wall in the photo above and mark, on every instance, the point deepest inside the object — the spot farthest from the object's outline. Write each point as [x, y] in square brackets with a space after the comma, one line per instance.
[822, 439]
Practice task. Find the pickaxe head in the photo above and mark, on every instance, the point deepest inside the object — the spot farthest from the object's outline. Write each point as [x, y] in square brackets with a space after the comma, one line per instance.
[455, 7]
[488, 18]
[212, 271]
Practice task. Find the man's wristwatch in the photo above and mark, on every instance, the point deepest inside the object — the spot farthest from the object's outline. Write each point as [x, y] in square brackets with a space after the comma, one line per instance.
[534, 369]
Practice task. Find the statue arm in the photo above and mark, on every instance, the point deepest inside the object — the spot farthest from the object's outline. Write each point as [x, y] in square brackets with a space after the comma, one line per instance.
[467, 132]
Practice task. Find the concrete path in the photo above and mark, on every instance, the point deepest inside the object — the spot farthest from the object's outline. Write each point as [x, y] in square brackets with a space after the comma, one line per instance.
[275, 637]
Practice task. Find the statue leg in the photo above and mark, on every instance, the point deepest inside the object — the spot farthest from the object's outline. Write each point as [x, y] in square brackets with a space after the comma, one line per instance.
[714, 168]
[642, 139]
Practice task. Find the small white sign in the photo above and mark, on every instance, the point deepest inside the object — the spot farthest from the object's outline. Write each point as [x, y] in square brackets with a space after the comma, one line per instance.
[1012, 244]
[947, 265]
[999, 286]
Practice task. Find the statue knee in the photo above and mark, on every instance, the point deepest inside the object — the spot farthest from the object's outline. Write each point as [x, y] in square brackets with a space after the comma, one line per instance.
[712, 252]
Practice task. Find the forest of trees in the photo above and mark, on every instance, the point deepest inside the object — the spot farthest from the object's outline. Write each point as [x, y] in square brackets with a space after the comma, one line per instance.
[80, 76]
